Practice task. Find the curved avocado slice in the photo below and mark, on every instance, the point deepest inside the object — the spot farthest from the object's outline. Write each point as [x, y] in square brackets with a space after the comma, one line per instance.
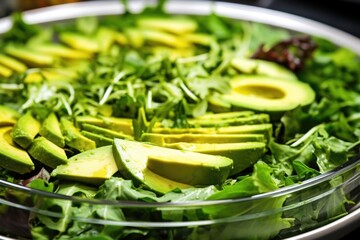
[8, 116]
[268, 94]
[262, 67]
[244, 120]
[25, 130]
[79, 42]
[50, 129]
[178, 25]
[105, 131]
[12, 63]
[73, 137]
[47, 152]
[165, 139]
[264, 128]
[123, 125]
[243, 154]
[5, 71]
[100, 140]
[30, 57]
[163, 169]
[225, 115]
[58, 50]
[93, 166]
[12, 157]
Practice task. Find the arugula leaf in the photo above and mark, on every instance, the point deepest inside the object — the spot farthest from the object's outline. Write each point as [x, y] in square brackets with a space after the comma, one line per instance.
[331, 153]
[63, 207]
[260, 181]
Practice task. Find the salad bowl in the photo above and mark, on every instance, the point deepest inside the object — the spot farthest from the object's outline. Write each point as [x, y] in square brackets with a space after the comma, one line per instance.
[325, 205]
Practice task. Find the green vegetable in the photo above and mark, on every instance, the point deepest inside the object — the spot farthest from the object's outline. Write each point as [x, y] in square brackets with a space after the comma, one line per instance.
[135, 75]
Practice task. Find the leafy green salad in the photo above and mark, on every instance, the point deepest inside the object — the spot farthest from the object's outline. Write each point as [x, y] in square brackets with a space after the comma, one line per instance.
[158, 108]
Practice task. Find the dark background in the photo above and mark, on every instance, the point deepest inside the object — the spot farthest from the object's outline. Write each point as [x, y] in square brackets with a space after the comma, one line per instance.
[342, 14]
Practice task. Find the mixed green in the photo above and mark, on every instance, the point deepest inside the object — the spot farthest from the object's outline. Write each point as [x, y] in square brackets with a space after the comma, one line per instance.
[159, 108]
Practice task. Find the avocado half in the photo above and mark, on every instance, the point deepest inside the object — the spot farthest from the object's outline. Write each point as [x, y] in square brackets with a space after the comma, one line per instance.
[268, 94]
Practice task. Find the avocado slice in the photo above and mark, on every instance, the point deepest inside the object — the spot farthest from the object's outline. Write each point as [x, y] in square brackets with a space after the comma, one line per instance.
[25, 130]
[47, 152]
[123, 125]
[243, 154]
[8, 116]
[268, 94]
[164, 169]
[5, 71]
[12, 63]
[100, 140]
[73, 137]
[92, 166]
[105, 38]
[135, 37]
[262, 67]
[58, 50]
[79, 42]
[50, 129]
[165, 38]
[80, 120]
[225, 115]
[50, 75]
[264, 128]
[12, 157]
[105, 132]
[34, 59]
[166, 139]
[177, 25]
[246, 120]
[199, 38]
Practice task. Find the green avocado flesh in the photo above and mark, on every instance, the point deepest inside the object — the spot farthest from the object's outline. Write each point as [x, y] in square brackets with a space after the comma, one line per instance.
[12, 157]
[47, 152]
[74, 138]
[100, 140]
[265, 128]
[165, 139]
[164, 169]
[268, 94]
[105, 131]
[12, 63]
[50, 129]
[92, 166]
[25, 130]
[8, 116]
[262, 67]
[245, 120]
[243, 154]
[30, 57]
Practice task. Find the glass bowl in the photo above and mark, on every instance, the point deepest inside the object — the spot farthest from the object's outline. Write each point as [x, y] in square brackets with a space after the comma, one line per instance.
[315, 203]
[331, 199]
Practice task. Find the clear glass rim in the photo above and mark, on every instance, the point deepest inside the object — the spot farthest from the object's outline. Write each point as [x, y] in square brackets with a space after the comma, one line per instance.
[283, 191]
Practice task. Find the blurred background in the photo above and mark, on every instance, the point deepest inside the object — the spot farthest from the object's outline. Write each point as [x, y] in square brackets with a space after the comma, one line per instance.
[342, 14]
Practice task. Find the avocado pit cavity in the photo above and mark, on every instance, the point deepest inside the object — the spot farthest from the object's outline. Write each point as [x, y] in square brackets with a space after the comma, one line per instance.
[267, 92]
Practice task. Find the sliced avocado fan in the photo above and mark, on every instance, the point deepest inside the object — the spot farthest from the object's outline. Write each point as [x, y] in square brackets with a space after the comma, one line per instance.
[163, 169]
